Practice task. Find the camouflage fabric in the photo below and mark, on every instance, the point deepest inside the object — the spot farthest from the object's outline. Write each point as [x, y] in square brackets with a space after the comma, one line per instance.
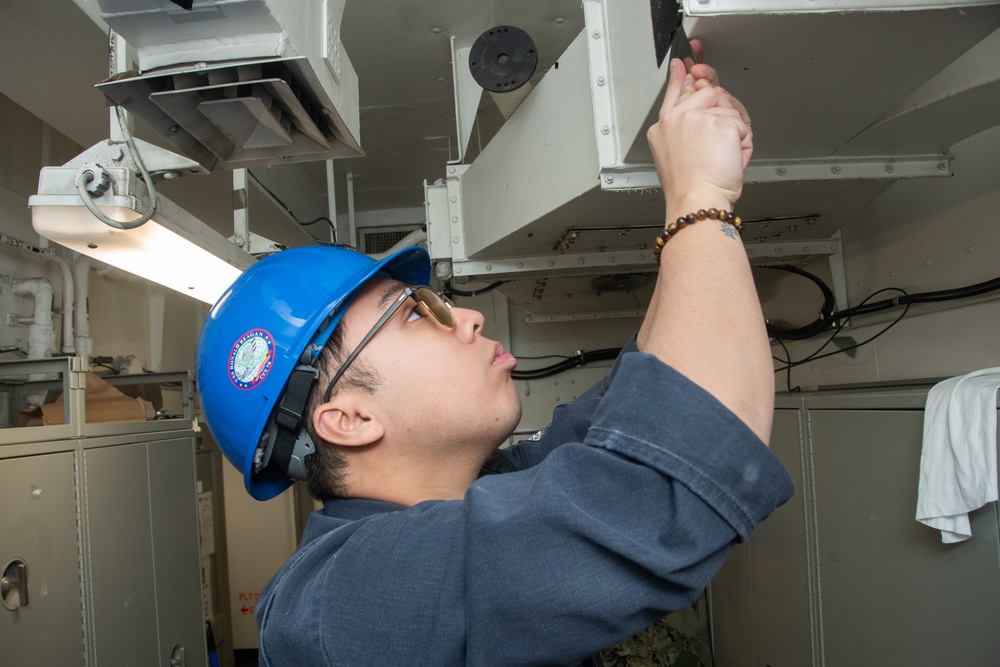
[659, 645]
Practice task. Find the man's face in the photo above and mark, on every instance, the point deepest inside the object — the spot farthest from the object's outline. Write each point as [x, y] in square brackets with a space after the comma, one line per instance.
[446, 387]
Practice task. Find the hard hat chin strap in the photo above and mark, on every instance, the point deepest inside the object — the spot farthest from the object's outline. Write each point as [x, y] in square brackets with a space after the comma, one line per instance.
[289, 442]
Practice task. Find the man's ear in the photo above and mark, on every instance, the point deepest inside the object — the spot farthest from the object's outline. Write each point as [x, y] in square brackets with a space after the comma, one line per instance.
[346, 419]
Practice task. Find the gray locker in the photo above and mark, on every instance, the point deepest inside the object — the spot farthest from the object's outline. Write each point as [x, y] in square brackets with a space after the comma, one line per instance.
[891, 592]
[848, 577]
[38, 529]
[767, 578]
[104, 518]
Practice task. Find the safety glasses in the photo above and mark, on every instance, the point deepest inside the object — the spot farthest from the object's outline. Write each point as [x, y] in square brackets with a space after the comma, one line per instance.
[428, 301]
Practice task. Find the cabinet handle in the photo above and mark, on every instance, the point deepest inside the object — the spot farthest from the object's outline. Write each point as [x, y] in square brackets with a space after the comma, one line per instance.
[14, 585]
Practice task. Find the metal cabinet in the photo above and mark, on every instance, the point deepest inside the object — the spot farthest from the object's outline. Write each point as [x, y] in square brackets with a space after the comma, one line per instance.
[760, 599]
[844, 574]
[39, 533]
[891, 592]
[103, 518]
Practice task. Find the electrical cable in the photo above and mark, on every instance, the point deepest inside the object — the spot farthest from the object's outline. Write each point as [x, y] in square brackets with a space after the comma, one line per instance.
[87, 175]
[839, 319]
[839, 326]
[322, 218]
[450, 290]
[543, 356]
[818, 325]
[575, 361]
[816, 354]
[287, 210]
[921, 297]
[788, 367]
[828, 316]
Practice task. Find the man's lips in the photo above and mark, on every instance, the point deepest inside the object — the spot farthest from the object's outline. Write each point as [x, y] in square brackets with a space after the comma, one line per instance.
[501, 357]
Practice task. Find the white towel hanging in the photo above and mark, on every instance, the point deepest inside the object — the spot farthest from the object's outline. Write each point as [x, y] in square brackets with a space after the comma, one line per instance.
[958, 461]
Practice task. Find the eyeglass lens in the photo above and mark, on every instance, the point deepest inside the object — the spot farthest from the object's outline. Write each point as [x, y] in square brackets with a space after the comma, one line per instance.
[435, 304]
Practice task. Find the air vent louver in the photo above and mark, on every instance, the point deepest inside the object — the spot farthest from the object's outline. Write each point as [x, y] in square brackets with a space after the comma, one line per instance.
[235, 115]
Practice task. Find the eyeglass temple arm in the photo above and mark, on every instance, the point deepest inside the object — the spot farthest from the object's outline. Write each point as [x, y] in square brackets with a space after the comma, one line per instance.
[364, 341]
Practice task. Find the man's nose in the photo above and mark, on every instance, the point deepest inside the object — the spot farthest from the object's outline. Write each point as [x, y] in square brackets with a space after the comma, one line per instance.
[468, 323]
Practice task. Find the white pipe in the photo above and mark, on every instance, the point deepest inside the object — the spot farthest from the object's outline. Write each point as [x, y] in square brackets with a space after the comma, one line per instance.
[67, 280]
[352, 228]
[41, 333]
[413, 238]
[112, 272]
[81, 309]
[68, 292]
[331, 201]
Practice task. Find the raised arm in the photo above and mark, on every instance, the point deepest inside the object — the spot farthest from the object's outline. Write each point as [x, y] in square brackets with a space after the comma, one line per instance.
[705, 319]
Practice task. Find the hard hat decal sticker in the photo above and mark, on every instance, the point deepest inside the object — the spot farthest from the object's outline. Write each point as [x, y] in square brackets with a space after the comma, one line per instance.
[251, 358]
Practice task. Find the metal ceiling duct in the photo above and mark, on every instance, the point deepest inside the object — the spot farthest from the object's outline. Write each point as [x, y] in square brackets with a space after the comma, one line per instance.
[239, 83]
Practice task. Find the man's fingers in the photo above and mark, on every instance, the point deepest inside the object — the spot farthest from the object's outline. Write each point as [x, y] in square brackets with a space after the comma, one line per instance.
[678, 74]
[705, 72]
[736, 104]
[699, 50]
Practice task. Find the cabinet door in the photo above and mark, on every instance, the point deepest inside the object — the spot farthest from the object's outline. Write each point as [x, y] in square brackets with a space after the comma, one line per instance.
[173, 498]
[891, 592]
[38, 527]
[145, 568]
[779, 560]
[760, 598]
[122, 588]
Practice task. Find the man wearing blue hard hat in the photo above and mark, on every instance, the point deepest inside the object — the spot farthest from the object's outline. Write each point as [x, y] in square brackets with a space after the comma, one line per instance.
[433, 546]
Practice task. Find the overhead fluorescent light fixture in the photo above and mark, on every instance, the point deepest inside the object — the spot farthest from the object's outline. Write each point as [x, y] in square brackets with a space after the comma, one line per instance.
[171, 247]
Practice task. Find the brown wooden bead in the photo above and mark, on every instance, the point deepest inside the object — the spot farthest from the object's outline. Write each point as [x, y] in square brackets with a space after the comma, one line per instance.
[690, 219]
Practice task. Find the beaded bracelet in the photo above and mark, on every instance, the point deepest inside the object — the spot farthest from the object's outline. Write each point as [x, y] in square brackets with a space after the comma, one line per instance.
[691, 218]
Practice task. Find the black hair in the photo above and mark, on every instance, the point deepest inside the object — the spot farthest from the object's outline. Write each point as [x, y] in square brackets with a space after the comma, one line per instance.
[326, 467]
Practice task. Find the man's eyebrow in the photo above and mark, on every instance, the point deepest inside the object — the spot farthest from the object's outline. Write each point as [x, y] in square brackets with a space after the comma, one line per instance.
[390, 294]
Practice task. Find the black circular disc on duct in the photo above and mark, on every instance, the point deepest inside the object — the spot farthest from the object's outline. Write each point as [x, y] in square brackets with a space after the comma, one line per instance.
[503, 59]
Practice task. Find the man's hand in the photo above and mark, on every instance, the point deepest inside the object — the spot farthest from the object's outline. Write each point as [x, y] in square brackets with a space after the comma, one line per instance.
[702, 141]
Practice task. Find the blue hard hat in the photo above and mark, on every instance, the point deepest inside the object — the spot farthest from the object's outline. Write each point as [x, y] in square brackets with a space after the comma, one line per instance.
[256, 354]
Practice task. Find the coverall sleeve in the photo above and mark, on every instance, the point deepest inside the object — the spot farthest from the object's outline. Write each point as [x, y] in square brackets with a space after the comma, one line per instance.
[607, 535]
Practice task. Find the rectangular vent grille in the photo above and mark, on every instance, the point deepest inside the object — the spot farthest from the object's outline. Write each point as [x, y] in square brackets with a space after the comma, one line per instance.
[237, 114]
